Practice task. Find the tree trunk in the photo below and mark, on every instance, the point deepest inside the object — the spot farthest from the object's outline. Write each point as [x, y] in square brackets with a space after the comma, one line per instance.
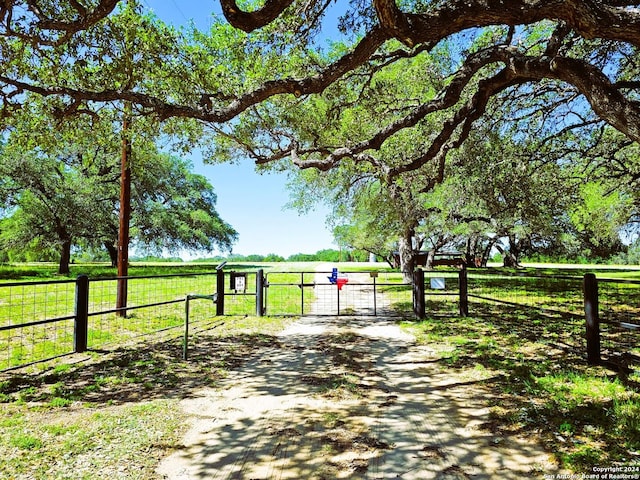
[509, 257]
[509, 260]
[65, 258]
[407, 258]
[113, 253]
[487, 253]
[514, 253]
[472, 258]
[431, 255]
[391, 260]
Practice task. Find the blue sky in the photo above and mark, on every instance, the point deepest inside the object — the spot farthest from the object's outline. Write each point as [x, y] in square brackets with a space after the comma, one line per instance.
[252, 203]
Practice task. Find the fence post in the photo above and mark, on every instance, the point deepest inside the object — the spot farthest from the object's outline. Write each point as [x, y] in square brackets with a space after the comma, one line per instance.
[463, 288]
[81, 311]
[220, 292]
[260, 292]
[185, 341]
[592, 318]
[419, 307]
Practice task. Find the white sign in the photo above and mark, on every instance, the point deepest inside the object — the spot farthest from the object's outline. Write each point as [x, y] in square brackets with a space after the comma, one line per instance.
[437, 283]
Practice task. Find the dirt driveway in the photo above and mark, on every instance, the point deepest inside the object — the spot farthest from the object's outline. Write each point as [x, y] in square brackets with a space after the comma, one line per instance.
[347, 397]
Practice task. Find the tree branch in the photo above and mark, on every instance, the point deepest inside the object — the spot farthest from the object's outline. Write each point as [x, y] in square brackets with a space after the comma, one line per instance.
[84, 20]
[603, 96]
[250, 21]
[298, 87]
[591, 19]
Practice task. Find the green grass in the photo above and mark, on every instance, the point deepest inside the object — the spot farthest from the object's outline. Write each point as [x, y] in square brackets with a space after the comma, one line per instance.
[542, 386]
[117, 413]
[90, 444]
[26, 303]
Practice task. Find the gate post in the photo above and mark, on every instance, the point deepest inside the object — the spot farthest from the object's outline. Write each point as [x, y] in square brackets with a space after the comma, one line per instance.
[220, 292]
[185, 341]
[463, 289]
[260, 292]
[81, 325]
[592, 318]
[419, 307]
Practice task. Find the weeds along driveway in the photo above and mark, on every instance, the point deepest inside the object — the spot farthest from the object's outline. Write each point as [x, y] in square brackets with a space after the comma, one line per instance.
[347, 397]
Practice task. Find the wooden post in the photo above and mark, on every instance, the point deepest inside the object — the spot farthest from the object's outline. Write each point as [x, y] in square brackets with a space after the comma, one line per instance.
[260, 293]
[124, 217]
[125, 179]
[81, 326]
[419, 307]
[592, 318]
[463, 288]
[220, 292]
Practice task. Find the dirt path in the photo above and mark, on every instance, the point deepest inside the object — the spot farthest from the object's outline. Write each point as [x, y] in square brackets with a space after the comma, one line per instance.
[347, 397]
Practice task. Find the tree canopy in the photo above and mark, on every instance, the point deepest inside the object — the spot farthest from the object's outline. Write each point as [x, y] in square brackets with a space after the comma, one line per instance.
[524, 48]
[405, 88]
[59, 186]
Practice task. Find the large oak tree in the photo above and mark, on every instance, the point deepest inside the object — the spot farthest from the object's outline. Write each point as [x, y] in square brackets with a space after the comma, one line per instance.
[565, 74]
[59, 189]
[587, 47]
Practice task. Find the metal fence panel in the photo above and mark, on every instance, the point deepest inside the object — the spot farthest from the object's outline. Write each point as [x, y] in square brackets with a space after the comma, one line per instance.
[153, 304]
[36, 321]
[619, 302]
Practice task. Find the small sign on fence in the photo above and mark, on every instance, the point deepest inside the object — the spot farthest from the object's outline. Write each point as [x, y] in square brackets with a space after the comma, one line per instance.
[437, 283]
[238, 281]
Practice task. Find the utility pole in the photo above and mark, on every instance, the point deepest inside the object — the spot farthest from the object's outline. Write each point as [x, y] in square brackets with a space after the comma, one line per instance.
[125, 184]
[125, 215]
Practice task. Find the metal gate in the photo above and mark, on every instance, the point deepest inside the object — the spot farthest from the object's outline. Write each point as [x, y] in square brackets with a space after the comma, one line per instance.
[360, 293]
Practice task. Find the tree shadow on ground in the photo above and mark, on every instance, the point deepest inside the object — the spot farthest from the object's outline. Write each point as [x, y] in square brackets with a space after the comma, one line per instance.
[542, 381]
[135, 373]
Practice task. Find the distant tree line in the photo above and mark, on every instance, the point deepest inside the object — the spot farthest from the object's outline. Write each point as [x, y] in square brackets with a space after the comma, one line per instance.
[326, 255]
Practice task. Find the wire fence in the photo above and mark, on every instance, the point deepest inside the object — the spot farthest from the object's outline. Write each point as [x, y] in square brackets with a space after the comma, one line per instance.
[36, 321]
[40, 320]
[552, 308]
[442, 292]
[547, 309]
[154, 304]
[619, 309]
[551, 294]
